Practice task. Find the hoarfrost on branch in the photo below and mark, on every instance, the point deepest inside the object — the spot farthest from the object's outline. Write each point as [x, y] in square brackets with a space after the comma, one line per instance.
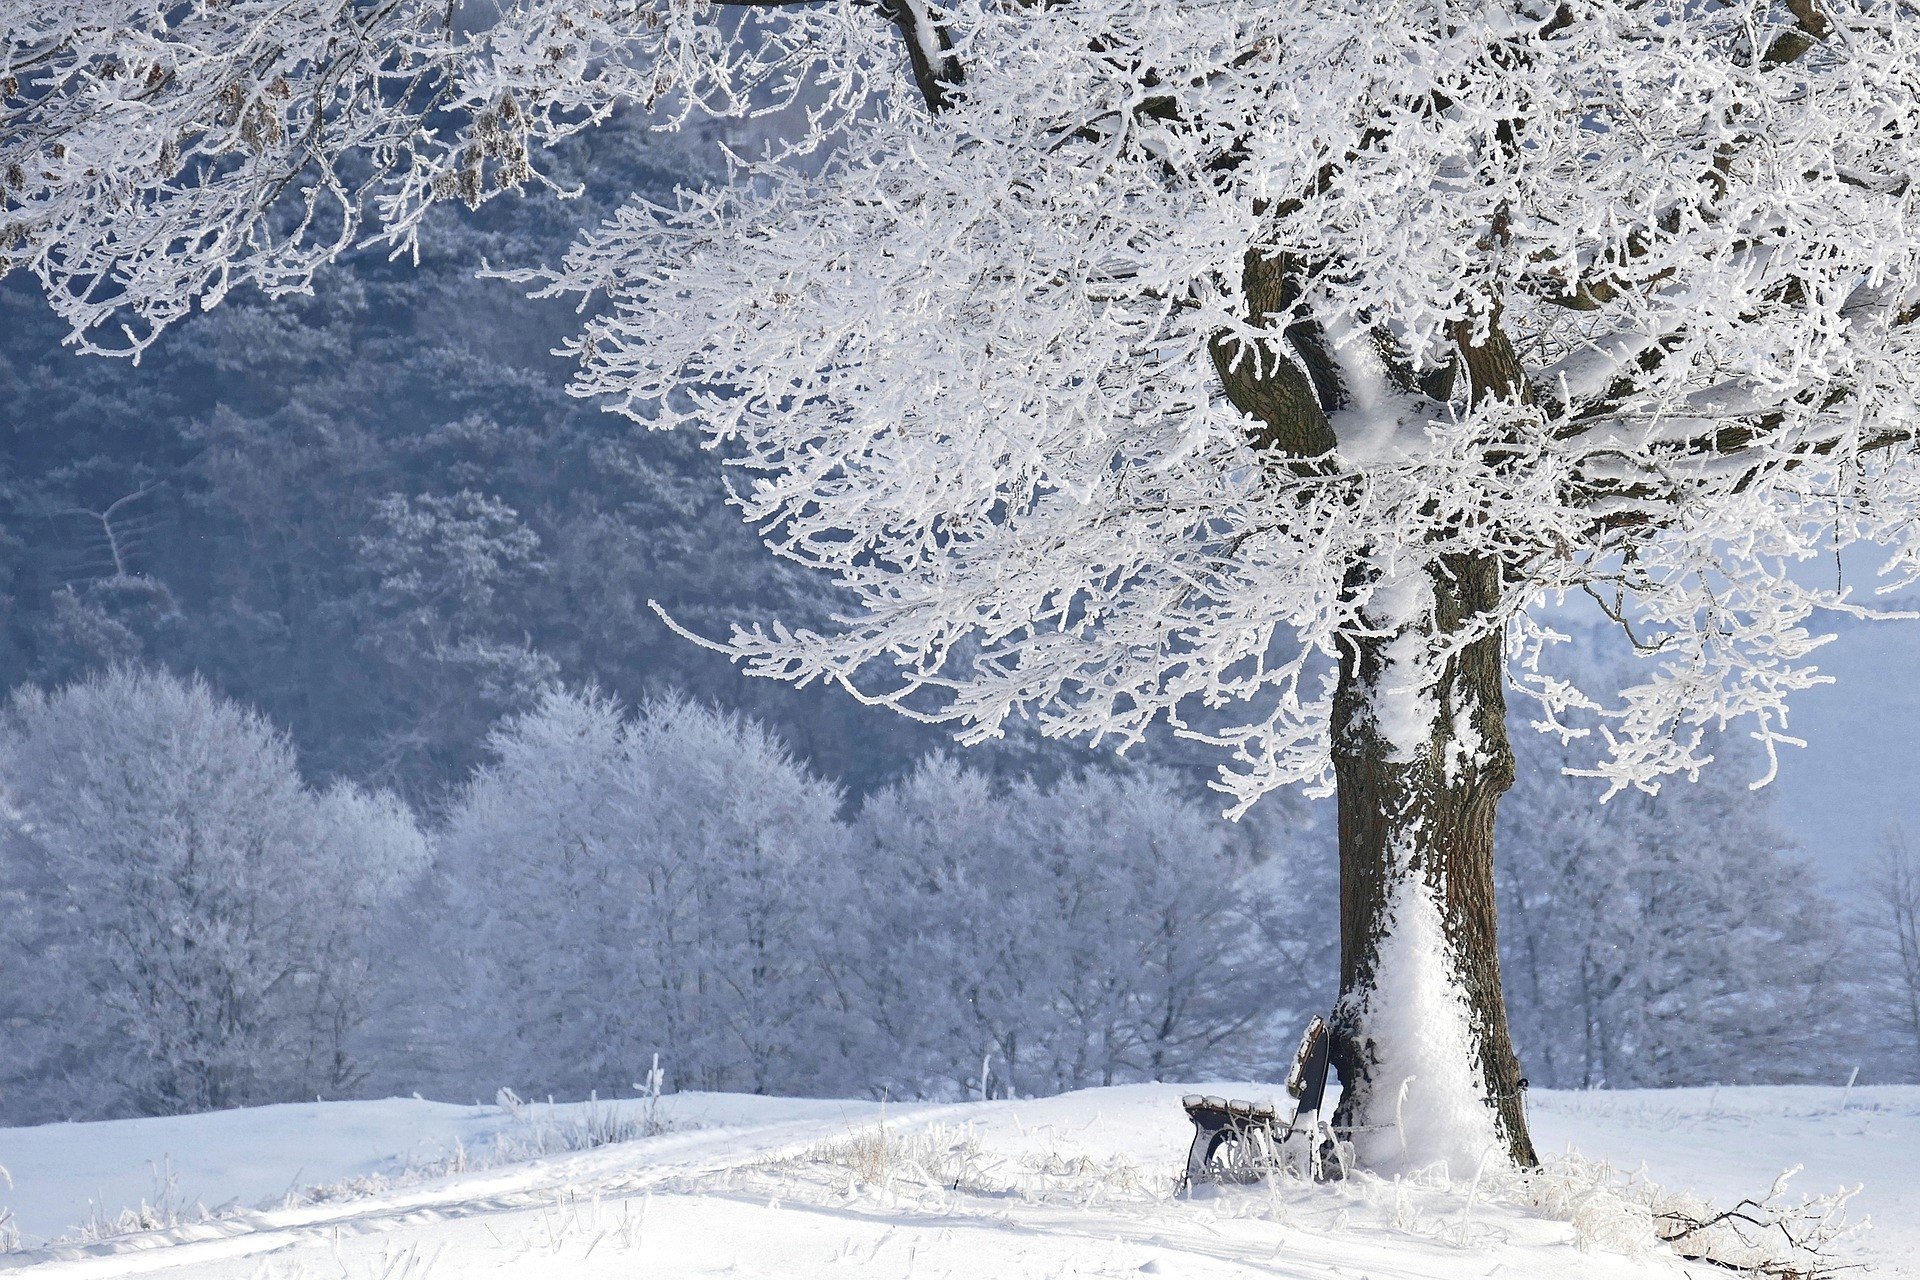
[1117, 355]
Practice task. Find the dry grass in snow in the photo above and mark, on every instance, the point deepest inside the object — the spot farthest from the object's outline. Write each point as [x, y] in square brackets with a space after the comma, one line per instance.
[1082, 1185]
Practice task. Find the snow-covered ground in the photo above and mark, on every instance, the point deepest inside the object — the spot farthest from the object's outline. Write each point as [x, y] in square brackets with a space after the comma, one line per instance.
[1076, 1185]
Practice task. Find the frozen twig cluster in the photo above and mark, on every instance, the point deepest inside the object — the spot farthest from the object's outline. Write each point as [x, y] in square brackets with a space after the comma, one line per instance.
[1620, 297]
[1769, 1235]
[156, 154]
[1115, 355]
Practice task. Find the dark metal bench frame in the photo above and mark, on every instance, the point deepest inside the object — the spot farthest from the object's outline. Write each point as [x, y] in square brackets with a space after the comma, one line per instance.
[1237, 1141]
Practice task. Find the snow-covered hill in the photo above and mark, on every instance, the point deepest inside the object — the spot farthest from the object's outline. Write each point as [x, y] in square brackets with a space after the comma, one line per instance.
[1075, 1185]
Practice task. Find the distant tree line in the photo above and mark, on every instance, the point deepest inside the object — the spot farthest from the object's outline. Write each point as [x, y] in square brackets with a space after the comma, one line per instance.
[613, 885]
[185, 923]
[188, 925]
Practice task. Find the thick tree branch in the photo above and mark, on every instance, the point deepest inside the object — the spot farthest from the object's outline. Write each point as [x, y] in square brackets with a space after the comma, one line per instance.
[930, 54]
[1263, 381]
[1630, 505]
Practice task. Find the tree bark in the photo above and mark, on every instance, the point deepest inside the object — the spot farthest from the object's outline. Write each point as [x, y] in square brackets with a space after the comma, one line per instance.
[1423, 809]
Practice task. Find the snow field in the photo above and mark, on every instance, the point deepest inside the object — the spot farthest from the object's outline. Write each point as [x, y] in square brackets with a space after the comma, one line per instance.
[1078, 1185]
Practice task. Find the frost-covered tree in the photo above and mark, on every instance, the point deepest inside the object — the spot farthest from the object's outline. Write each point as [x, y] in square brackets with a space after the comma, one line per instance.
[188, 921]
[377, 854]
[618, 885]
[1033, 939]
[1251, 369]
[1166, 969]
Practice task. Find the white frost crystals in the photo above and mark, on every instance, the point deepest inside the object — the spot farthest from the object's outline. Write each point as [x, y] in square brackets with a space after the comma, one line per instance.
[1622, 296]
[1405, 701]
[970, 366]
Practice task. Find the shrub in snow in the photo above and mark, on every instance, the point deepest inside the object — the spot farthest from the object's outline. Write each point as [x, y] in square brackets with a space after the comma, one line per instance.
[543, 1129]
[166, 1207]
[1768, 1235]
[187, 920]
[924, 1156]
[1771, 1234]
[9, 1231]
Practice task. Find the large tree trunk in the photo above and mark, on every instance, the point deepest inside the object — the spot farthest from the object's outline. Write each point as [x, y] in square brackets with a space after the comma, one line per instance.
[1421, 757]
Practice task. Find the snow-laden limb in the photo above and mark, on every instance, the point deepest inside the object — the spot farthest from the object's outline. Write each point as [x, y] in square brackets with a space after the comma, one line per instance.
[975, 370]
[154, 155]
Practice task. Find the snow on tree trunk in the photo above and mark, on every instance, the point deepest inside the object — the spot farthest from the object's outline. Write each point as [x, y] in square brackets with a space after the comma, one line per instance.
[1421, 757]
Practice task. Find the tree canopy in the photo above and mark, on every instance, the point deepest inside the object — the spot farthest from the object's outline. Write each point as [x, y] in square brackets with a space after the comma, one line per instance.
[1095, 347]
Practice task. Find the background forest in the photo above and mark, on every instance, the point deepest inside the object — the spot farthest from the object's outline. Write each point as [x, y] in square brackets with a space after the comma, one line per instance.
[346, 757]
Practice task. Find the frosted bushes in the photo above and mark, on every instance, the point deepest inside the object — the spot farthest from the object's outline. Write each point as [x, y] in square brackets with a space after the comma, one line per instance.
[168, 1207]
[1571, 1199]
[1770, 1234]
[911, 1161]
[671, 881]
[933, 1156]
[1612, 1211]
[187, 923]
[615, 886]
